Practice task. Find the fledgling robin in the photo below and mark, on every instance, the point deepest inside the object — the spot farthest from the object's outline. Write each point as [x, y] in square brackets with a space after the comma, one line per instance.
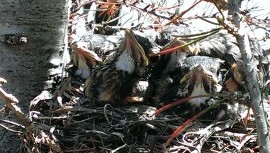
[201, 76]
[198, 75]
[113, 82]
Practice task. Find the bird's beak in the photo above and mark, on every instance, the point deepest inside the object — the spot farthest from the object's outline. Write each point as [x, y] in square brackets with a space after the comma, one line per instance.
[200, 75]
[132, 44]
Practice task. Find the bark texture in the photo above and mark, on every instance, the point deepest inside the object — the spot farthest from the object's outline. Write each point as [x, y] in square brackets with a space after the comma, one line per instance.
[27, 68]
[251, 78]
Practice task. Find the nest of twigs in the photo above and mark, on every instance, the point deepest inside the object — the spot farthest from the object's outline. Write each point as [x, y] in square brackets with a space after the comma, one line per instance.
[77, 125]
[65, 121]
[83, 127]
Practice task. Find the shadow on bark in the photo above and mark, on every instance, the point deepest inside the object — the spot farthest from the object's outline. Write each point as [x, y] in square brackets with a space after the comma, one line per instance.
[28, 68]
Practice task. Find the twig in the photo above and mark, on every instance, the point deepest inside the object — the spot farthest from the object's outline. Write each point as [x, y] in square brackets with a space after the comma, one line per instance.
[105, 113]
[187, 123]
[119, 148]
[32, 134]
[194, 40]
[206, 133]
[52, 118]
[211, 22]
[152, 12]
[9, 129]
[177, 102]
[12, 123]
[184, 12]
[198, 35]
[2, 81]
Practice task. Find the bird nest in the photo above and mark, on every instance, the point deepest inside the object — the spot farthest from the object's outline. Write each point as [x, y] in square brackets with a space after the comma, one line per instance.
[80, 126]
[66, 121]
[74, 124]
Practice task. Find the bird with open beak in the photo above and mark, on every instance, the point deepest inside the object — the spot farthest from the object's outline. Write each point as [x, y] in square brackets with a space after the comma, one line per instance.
[113, 82]
[202, 78]
[198, 75]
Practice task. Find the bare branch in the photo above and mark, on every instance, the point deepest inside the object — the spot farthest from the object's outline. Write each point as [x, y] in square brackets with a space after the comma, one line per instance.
[251, 77]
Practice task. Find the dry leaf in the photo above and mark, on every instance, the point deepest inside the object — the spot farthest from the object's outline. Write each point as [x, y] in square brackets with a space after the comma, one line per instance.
[231, 85]
[237, 74]
[109, 8]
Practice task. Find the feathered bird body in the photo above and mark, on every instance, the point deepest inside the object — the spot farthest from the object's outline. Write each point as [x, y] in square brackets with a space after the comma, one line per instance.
[202, 77]
[113, 81]
[198, 76]
[108, 84]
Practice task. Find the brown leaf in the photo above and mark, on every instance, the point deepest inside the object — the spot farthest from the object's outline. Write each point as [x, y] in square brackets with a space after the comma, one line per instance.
[111, 7]
[237, 73]
[231, 85]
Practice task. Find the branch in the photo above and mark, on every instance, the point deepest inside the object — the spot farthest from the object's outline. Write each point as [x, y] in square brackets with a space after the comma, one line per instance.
[183, 13]
[33, 137]
[251, 77]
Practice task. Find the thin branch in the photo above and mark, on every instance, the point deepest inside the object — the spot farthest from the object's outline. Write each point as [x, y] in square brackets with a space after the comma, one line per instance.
[194, 40]
[177, 102]
[251, 77]
[151, 12]
[187, 123]
[9, 129]
[184, 12]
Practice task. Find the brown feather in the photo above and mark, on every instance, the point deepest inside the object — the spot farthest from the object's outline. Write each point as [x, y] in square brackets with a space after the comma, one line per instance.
[114, 81]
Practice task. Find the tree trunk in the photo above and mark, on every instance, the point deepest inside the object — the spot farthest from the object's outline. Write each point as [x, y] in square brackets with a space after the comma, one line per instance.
[27, 67]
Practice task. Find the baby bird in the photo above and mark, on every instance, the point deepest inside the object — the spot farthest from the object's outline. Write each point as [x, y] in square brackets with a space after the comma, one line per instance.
[202, 78]
[113, 82]
[198, 75]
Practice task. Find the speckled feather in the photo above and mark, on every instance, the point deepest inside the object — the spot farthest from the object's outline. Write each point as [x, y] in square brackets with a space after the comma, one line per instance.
[210, 63]
[107, 84]
[200, 81]
[114, 81]
[191, 81]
